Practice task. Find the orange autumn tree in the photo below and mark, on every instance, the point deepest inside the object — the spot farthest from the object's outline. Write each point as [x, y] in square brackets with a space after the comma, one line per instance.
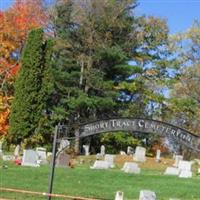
[15, 23]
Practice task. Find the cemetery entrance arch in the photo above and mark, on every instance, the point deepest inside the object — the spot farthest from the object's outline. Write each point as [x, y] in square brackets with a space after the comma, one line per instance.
[140, 125]
[124, 124]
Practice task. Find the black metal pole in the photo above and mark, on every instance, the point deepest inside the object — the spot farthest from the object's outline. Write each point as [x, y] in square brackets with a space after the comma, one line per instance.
[51, 175]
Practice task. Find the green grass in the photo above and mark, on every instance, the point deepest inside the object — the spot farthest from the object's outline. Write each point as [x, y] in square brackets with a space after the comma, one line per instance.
[82, 181]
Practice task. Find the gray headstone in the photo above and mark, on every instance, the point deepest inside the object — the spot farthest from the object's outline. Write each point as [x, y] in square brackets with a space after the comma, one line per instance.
[147, 195]
[110, 159]
[86, 149]
[119, 195]
[100, 164]
[30, 158]
[102, 150]
[172, 171]
[131, 167]
[139, 155]
[130, 150]
[63, 159]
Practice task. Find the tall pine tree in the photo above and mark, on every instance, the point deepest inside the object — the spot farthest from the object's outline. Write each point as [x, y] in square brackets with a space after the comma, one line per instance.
[32, 87]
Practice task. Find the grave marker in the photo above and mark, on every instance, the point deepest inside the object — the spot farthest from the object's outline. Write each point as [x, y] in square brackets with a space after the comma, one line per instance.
[131, 167]
[139, 155]
[30, 158]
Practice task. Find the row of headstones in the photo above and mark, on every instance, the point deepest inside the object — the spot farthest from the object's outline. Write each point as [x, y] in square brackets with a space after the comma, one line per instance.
[139, 154]
[144, 195]
[181, 168]
[30, 157]
[108, 162]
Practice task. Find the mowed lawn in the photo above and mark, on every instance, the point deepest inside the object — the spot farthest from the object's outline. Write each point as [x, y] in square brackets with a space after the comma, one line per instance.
[102, 184]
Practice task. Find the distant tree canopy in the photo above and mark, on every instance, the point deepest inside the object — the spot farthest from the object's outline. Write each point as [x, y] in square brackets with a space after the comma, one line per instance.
[103, 61]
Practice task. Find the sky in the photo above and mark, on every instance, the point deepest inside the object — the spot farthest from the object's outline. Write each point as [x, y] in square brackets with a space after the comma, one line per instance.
[179, 14]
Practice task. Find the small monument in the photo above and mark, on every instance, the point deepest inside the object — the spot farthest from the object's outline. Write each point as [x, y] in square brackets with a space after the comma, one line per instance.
[131, 167]
[139, 155]
[119, 195]
[63, 144]
[42, 154]
[30, 158]
[147, 195]
[185, 169]
[86, 150]
[178, 158]
[102, 151]
[158, 155]
[100, 164]
[63, 159]
[17, 151]
[130, 150]
[172, 171]
[110, 159]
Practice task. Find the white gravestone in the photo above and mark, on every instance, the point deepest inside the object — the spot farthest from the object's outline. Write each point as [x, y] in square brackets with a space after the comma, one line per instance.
[185, 165]
[100, 164]
[172, 171]
[130, 150]
[185, 169]
[63, 144]
[110, 159]
[122, 153]
[131, 167]
[42, 154]
[119, 195]
[147, 195]
[139, 155]
[158, 155]
[102, 150]
[86, 150]
[30, 158]
[178, 158]
[17, 151]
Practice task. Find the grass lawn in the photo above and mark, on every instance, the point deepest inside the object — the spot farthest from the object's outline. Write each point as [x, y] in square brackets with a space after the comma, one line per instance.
[102, 184]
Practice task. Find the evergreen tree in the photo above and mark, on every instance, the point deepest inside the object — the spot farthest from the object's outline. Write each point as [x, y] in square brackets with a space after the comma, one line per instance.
[31, 90]
[95, 42]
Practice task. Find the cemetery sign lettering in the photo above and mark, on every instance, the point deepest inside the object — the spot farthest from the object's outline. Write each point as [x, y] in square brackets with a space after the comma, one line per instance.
[141, 125]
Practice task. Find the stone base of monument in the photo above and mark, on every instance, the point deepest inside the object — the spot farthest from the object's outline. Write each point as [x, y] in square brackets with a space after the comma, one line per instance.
[131, 167]
[185, 174]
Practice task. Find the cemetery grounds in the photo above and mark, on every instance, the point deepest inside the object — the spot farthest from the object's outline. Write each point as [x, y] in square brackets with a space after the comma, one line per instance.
[81, 181]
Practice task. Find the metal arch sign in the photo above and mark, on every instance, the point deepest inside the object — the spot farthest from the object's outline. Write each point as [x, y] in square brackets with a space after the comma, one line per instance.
[141, 125]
